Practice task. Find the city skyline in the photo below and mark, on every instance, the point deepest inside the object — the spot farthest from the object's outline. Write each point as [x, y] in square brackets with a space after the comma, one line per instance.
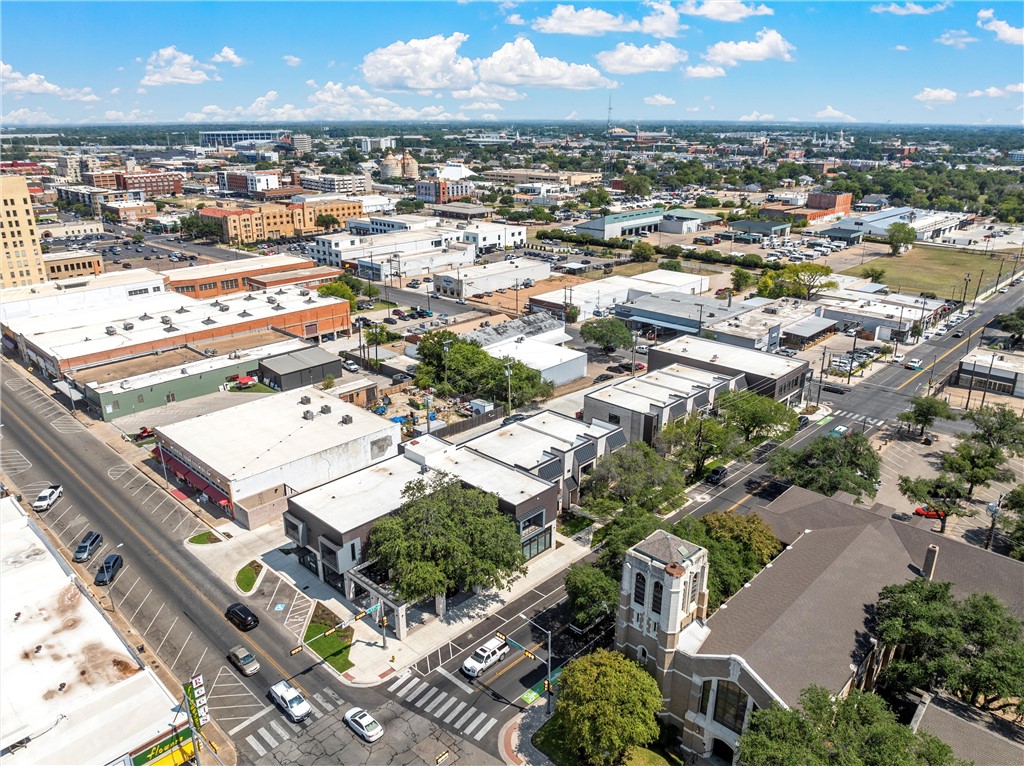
[654, 61]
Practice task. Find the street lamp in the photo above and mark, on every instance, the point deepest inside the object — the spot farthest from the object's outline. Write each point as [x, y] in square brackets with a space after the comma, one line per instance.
[550, 689]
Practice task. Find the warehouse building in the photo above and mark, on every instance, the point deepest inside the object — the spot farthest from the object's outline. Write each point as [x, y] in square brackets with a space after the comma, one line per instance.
[488, 277]
[224, 277]
[601, 295]
[115, 288]
[675, 311]
[407, 253]
[629, 224]
[682, 221]
[296, 369]
[928, 224]
[556, 364]
[249, 459]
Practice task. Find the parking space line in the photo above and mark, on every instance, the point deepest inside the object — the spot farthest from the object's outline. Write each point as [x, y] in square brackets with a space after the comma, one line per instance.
[272, 595]
[249, 720]
[132, 618]
[159, 505]
[57, 520]
[150, 626]
[129, 591]
[183, 520]
[169, 515]
[200, 660]
[166, 635]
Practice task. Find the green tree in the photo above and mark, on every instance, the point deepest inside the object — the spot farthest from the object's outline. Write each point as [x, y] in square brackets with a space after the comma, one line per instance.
[620, 534]
[858, 728]
[608, 704]
[670, 265]
[634, 474]
[328, 382]
[644, 252]
[506, 199]
[405, 206]
[806, 280]
[1013, 325]
[829, 464]
[742, 279]
[338, 290]
[607, 333]
[756, 416]
[941, 494]
[696, 439]
[898, 235]
[327, 221]
[705, 200]
[1012, 518]
[447, 536]
[592, 594]
[976, 464]
[138, 238]
[924, 411]
[874, 273]
[997, 427]
[596, 196]
[636, 185]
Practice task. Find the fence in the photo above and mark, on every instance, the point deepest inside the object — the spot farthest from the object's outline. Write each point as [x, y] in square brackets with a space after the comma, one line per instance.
[472, 422]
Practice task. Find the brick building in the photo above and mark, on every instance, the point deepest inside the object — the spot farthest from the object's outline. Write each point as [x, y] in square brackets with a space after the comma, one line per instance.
[440, 192]
[77, 263]
[152, 184]
[128, 211]
[262, 222]
[106, 179]
[247, 182]
[820, 205]
[216, 279]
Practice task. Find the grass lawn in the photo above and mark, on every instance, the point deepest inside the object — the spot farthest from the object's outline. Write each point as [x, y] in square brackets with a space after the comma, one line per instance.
[926, 269]
[626, 270]
[255, 388]
[378, 304]
[552, 740]
[246, 577]
[571, 524]
[204, 538]
[333, 648]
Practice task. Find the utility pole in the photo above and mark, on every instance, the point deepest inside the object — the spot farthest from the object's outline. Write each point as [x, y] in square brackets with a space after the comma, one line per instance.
[849, 374]
[508, 376]
[993, 511]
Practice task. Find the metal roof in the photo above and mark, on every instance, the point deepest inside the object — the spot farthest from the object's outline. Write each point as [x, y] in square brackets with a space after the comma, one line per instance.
[298, 360]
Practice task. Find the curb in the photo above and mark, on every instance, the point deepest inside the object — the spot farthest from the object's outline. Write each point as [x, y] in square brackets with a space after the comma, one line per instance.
[255, 585]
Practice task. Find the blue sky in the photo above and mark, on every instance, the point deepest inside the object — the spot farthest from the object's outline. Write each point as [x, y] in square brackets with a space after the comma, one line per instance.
[202, 62]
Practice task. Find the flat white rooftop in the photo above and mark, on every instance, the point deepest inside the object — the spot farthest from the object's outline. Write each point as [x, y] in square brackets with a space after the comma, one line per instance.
[268, 433]
[241, 266]
[110, 703]
[732, 357]
[528, 443]
[529, 267]
[81, 284]
[535, 354]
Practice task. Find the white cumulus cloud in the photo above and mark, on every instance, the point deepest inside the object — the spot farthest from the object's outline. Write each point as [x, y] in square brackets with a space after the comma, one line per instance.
[227, 55]
[1004, 32]
[724, 10]
[572, 115]
[518, 63]
[25, 116]
[929, 96]
[756, 116]
[910, 9]
[487, 91]
[169, 66]
[626, 58]
[515, 19]
[956, 38]
[17, 84]
[420, 64]
[659, 100]
[291, 60]
[768, 45]
[833, 114]
[479, 106]
[704, 71]
[567, 20]
[135, 115]
[1015, 87]
[693, 108]
[662, 21]
[900, 48]
[991, 92]
[213, 113]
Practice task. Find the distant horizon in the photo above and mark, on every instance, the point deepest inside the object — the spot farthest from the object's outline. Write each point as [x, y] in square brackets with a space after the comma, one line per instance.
[913, 62]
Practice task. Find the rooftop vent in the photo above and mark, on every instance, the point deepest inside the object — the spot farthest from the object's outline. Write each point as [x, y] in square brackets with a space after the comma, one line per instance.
[308, 300]
[280, 292]
[272, 300]
[182, 310]
[305, 400]
[184, 370]
[209, 321]
[170, 328]
[111, 330]
[249, 297]
[215, 303]
[145, 318]
[325, 409]
[245, 314]
[128, 326]
[308, 415]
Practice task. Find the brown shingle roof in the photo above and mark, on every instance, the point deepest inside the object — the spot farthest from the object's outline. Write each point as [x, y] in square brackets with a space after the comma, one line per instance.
[974, 734]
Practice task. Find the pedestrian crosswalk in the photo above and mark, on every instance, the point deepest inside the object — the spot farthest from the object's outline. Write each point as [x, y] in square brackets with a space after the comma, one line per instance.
[443, 706]
[275, 731]
[857, 418]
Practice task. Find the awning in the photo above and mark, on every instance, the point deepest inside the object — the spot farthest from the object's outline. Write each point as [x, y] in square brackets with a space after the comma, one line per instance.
[8, 343]
[217, 496]
[246, 380]
[182, 471]
[810, 327]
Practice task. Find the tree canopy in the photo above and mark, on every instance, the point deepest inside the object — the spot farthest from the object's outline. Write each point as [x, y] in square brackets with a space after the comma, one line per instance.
[643, 251]
[898, 235]
[634, 474]
[446, 536]
[941, 494]
[338, 290]
[607, 332]
[1013, 324]
[756, 416]
[799, 280]
[924, 411]
[693, 441]
[742, 279]
[829, 464]
[607, 704]
[591, 592]
[997, 427]
[858, 729]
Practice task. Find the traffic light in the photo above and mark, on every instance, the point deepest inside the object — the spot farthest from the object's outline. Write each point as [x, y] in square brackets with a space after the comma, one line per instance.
[547, 686]
[499, 635]
[529, 654]
[384, 621]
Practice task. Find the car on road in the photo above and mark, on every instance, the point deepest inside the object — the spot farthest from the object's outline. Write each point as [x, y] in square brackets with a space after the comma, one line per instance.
[108, 570]
[899, 358]
[243, 659]
[46, 499]
[603, 377]
[958, 334]
[642, 349]
[484, 657]
[242, 617]
[928, 513]
[291, 701]
[717, 475]
[350, 365]
[802, 422]
[914, 364]
[835, 388]
[1004, 290]
[364, 724]
[839, 431]
[516, 418]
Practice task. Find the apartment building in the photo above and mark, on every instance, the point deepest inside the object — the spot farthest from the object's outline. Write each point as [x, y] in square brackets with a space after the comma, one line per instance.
[152, 184]
[21, 259]
[440, 192]
[262, 222]
[336, 184]
[308, 208]
[106, 179]
[95, 197]
[247, 182]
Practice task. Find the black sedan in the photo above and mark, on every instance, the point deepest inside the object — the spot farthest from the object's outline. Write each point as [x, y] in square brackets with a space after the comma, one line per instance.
[603, 377]
[242, 617]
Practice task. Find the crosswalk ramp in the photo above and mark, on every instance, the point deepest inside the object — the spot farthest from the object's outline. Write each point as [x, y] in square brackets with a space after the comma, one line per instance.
[858, 418]
[443, 706]
[275, 731]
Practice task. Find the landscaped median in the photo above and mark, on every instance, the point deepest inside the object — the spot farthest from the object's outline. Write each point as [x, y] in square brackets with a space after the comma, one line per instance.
[333, 648]
[247, 576]
[205, 538]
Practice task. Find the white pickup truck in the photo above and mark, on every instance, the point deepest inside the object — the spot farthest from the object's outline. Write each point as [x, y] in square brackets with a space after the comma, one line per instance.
[48, 497]
[291, 701]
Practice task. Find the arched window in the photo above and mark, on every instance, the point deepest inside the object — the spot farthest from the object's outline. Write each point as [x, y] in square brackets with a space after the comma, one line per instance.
[694, 586]
[656, 592]
[641, 654]
[639, 589]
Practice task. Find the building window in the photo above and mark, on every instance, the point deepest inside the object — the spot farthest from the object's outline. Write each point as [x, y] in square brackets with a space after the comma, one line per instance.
[208, 286]
[639, 589]
[140, 399]
[730, 706]
[694, 584]
[143, 291]
[705, 696]
[170, 398]
[614, 419]
[656, 593]
[185, 289]
[229, 284]
[116, 405]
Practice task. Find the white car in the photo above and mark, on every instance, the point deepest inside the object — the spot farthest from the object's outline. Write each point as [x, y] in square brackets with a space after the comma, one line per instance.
[642, 349]
[898, 358]
[364, 724]
[291, 701]
[48, 497]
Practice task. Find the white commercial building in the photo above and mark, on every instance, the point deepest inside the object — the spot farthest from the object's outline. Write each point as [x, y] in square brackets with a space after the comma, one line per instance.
[265, 450]
[73, 690]
[487, 277]
[390, 224]
[927, 224]
[62, 295]
[336, 184]
[489, 237]
[68, 229]
[598, 297]
[556, 364]
[401, 254]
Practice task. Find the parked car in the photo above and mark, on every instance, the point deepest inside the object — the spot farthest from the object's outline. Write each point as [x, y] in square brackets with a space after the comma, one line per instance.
[291, 701]
[46, 499]
[89, 545]
[642, 349]
[350, 365]
[485, 657]
[914, 364]
[603, 377]
[717, 475]
[390, 320]
[516, 418]
[364, 724]
[244, 660]
[928, 513]
[242, 617]
[108, 570]
[802, 422]
[899, 358]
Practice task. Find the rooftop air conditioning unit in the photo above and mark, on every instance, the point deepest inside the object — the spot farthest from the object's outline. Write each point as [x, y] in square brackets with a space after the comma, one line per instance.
[125, 384]
[165, 320]
[225, 307]
[271, 300]
[303, 292]
[325, 409]
[346, 420]
[111, 331]
[184, 370]
[128, 326]
[308, 415]
[305, 400]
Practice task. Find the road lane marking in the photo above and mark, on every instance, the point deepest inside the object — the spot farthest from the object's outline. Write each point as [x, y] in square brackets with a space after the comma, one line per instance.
[455, 712]
[268, 738]
[486, 728]
[456, 680]
[931, 367]
[251, 719]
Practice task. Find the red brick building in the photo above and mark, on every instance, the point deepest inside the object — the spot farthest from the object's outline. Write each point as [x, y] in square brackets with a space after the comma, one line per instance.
[152, 184]
[216, 279]
[104, 179]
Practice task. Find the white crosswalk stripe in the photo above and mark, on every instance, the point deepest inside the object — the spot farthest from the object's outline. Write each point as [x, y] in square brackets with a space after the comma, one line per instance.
[476, 722]
[408, 687]
[440, 711]
[857, 417]
[316, 710]
[255, 745]
[462, 721]
[334, 696]
[319, 698]
[401, 680]
[279, 731]
[455, 712]
[418, 692]
[430, 693]
[268, 738]
[485, 728]
[433, 704]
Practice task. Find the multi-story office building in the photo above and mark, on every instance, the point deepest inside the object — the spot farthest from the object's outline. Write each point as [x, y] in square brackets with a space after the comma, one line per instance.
[21, 259]
[302, 143]
[106, 179]
[248, 182]
[153, 184]
[336, 184]
[232, 137]
[440, 192]
[263, 222]
[96, 197]
[127, 211]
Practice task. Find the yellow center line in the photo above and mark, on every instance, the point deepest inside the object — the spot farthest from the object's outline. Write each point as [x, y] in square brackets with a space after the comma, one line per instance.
[198, 593]
[515, 662]
[938, 359]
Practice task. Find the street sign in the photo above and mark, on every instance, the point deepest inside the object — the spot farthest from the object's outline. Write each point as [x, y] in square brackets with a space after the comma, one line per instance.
[195, 697]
